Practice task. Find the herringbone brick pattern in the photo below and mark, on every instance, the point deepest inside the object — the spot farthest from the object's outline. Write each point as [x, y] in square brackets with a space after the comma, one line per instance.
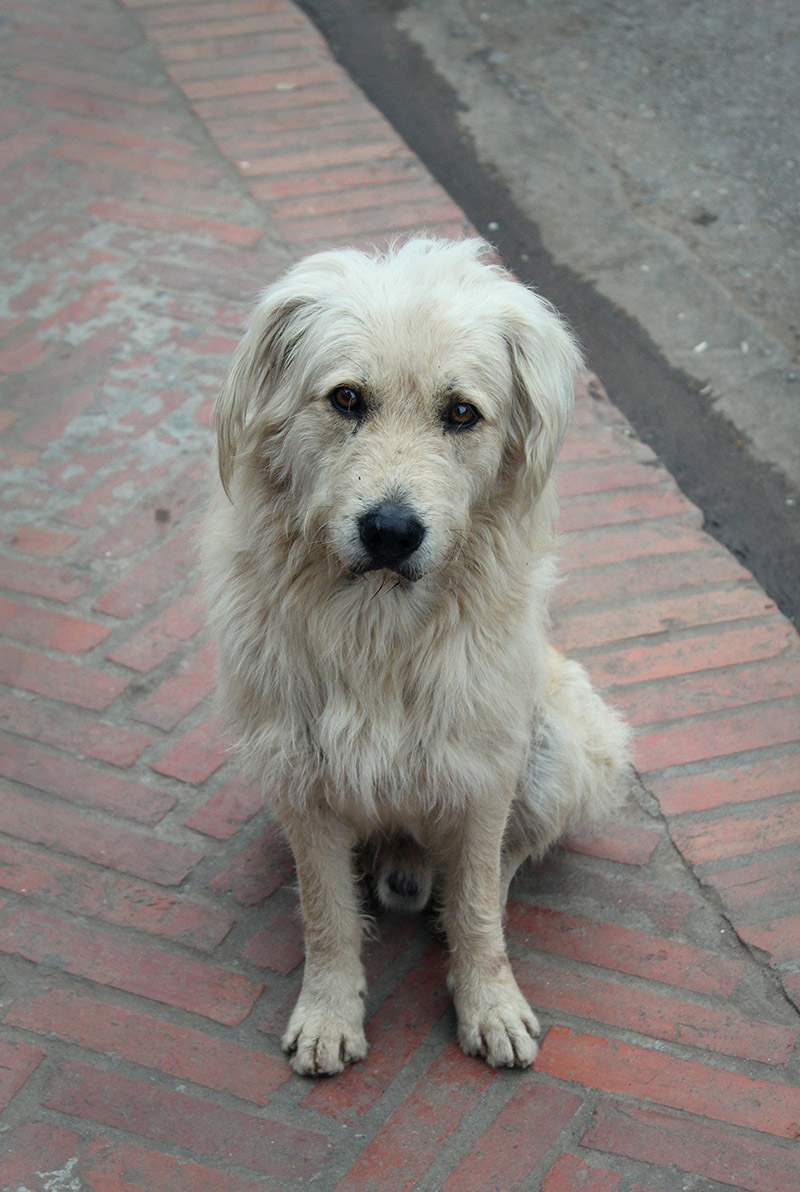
[159, 164]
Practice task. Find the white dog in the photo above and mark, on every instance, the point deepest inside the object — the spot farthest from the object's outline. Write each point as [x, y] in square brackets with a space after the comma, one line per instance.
[378, 562]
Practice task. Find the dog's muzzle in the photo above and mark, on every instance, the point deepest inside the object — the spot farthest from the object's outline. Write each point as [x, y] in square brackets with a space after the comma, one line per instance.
[390, 534]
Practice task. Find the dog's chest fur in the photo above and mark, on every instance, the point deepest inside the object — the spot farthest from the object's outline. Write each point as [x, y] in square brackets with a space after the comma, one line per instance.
[387, 699]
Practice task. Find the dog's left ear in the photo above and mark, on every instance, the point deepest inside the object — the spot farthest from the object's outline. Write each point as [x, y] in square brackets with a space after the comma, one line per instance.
[544, 361]
[275, 328]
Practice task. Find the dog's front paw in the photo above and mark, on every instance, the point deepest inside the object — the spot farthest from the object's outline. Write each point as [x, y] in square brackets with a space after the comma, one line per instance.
[496, 1022]
[322, 1043]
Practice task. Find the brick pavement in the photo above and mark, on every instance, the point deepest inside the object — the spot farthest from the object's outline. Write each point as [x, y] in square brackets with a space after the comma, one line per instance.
[159, 163]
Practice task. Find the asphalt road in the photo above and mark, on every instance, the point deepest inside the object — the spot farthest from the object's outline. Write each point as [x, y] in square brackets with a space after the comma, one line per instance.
[638, 164]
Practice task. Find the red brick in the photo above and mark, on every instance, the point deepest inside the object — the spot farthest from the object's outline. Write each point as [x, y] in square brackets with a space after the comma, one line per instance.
[17, 1061]
[36, 579]
[97, 955]
[406, 1145]
[779, 938]
[316, 159]
[258, 870]
[601, 442]
[625, 843]
[394, 1032]
[282, 1152]
[161, 636]
[569, 1174]
[54, 424]
[524, 1130]
[24, 352]
[32, 1149]
[59, 678]
[311, 124]
[637, 618]
[139, 215]
[181, 692]
[92, 83]
[13, 118]
[755, 891]
[82, 784]
[21, 144]
[630, 892]
[156, 575]
[646, 577]
[111, 845]
[69, 729]
[111, 39]
[279, 945]
[727, 733]
[55, 631]
[46, 543]
[686, 655]
[713, 1152]
[150, 521]
[211, 201]
[623, 950]
[318, 181]
[376, 220]
[124, 138]
[256, 53]
[153, 13]
[734, 782]
[563, 990]
[258, 42]
[712, 691]
[82, 104]
[266, 81]
[585, 513]
[413, 189]
[589, 477]
[198, 755]
[103, 501]
[112, 899]
[226, 811]
[121, 1167]
[153, 1043]
[738, 835]
[170, 168]
[636, 540]
[264, 21]
[626, 1070]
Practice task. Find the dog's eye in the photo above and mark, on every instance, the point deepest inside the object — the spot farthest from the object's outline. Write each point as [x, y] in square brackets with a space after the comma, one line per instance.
[346, 400]
[460, 416]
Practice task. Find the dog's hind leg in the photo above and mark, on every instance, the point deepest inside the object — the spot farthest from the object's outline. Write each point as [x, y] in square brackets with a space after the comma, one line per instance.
[578, 769]
[326, 1030]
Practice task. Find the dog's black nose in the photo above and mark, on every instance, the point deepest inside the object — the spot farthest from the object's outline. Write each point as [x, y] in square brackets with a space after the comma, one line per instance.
[390, 533]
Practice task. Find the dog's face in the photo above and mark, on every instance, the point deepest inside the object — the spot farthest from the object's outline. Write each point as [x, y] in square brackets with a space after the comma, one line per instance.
[397, 399]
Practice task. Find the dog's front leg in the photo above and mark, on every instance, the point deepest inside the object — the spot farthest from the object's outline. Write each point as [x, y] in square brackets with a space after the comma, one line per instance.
[494, 1019]
[326, 1029]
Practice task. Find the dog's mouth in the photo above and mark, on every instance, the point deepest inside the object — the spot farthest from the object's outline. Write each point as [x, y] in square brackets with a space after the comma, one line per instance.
[401, 574]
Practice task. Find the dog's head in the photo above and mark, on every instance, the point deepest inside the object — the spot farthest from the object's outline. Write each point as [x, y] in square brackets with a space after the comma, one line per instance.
[394, 399]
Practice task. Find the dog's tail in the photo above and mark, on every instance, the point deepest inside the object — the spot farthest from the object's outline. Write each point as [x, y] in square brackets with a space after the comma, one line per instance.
[401, 872]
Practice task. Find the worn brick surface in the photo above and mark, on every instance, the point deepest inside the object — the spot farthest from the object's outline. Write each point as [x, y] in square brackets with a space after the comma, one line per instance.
[161, 161]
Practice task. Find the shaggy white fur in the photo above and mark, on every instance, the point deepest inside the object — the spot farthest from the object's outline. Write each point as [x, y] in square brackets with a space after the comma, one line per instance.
[378, 558]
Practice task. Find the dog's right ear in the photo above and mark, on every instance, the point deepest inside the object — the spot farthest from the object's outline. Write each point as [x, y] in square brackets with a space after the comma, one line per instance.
[259, 361]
